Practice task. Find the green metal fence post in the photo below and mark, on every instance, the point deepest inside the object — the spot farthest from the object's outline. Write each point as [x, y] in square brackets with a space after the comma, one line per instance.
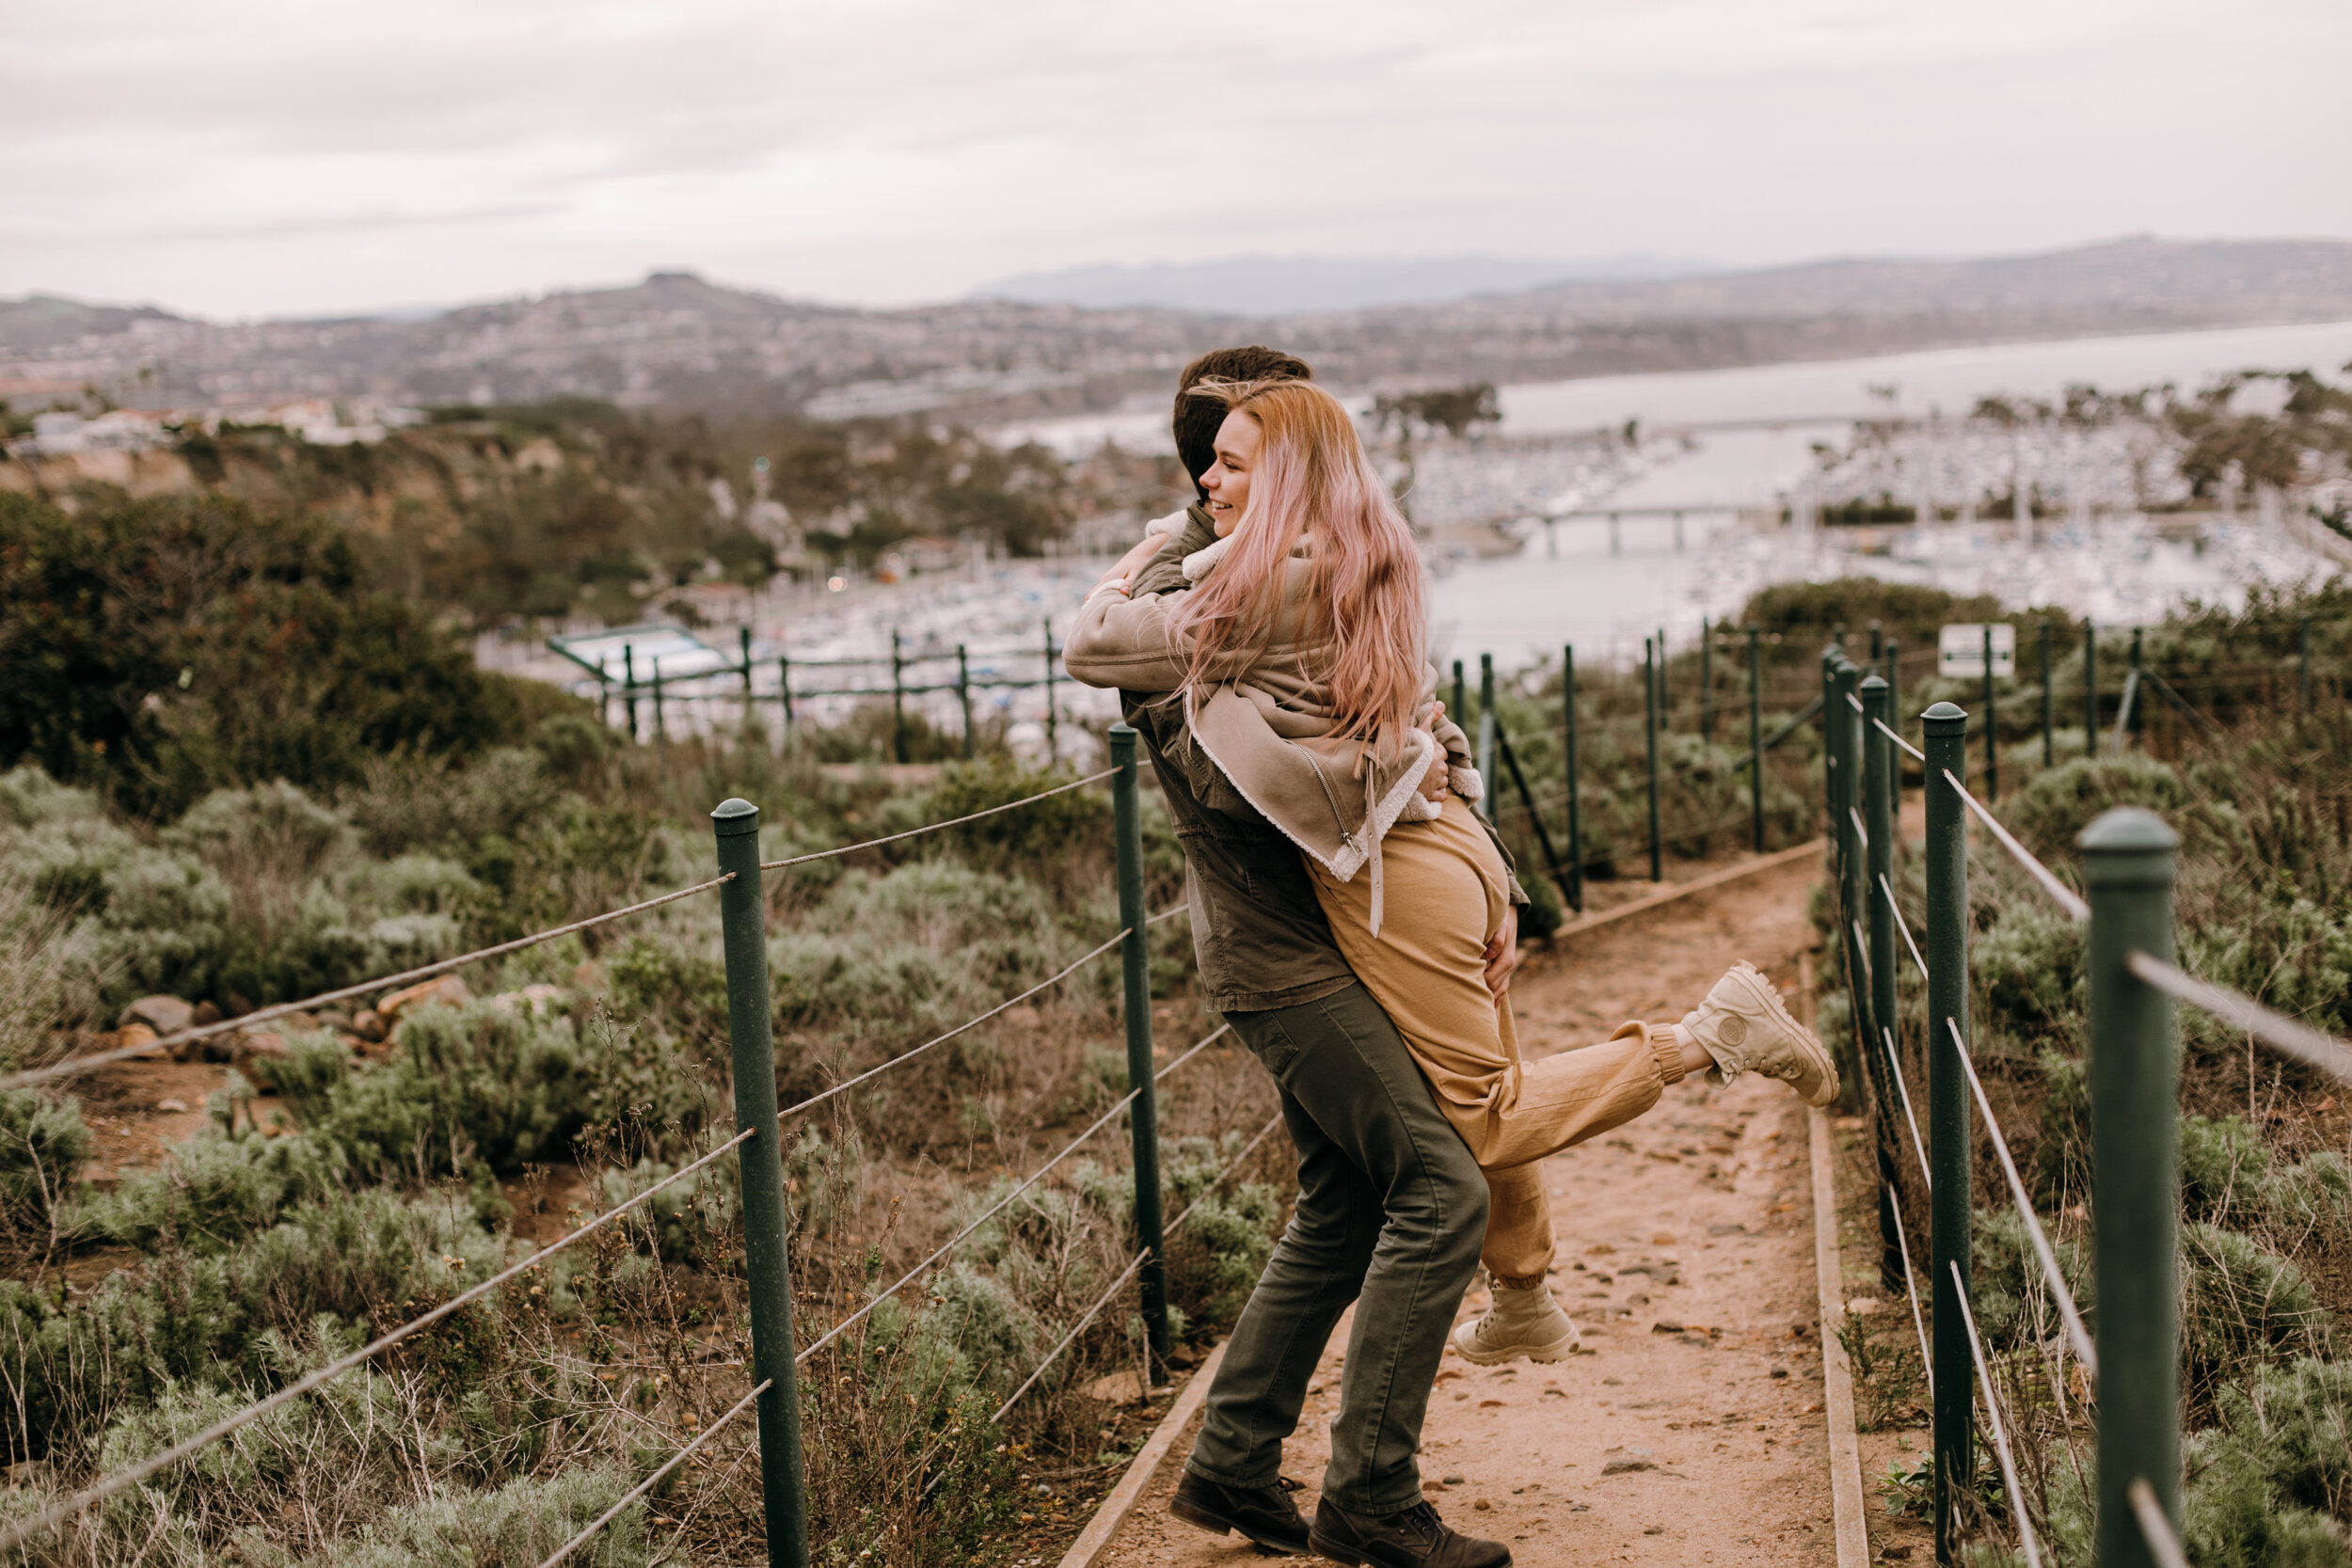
[2139, 698]
[897, 700]
[629, 686]
[1951, 1135]
[1992, 735]
[2091, 690]
[2134, 1150]
[1878, 795]
[1575, 817]
[1755, 737]
[1488, 727]
[2303, 667]
[743, 635]
[784, 685]
[660, 727]
[2049, 736]
[1461, 698]
[742, 914]
[1143, 1117]
[963, 696]
[1053, 709]
[1707, 679]
[1892, 670]
[1844, 782]
[1649, 733]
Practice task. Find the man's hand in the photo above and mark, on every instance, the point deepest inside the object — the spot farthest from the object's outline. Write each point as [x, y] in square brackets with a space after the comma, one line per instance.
[1502, 954]
[1433, 784]
[1123, 570]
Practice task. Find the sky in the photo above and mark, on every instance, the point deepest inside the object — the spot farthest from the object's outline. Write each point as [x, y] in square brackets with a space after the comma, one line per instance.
[250, 158]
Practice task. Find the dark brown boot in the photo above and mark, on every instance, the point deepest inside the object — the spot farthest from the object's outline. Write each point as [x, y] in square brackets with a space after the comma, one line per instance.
[1264, 1514]
[1416, 1537]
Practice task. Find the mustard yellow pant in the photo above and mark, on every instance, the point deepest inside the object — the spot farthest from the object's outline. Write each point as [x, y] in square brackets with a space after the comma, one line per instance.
[1445, 899]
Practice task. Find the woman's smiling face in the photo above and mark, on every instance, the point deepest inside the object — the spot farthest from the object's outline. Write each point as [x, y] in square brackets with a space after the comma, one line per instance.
[1228, 479]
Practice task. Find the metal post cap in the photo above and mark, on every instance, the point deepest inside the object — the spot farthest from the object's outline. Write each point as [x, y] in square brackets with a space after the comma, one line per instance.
[2128, 831]
[736, 818]
[1873, 685]
[1945, 714]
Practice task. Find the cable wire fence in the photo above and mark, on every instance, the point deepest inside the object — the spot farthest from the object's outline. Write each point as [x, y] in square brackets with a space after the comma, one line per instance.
[2131, 1355]
[776, 1353]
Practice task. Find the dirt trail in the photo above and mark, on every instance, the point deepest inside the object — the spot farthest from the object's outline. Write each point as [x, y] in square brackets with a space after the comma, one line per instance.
[1690, 1431]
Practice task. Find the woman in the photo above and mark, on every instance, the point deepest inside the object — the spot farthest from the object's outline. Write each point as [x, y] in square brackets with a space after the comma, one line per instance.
[1298, 653]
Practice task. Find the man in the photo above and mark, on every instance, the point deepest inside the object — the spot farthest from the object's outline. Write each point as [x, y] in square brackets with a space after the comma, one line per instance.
[1391, 1208]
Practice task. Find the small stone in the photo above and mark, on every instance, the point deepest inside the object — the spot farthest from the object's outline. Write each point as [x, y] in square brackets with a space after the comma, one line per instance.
[1456, 1480]
[206, 1012]
[369, 1025]
[336, 1019]
[1623, 1466]
[530, 999]
[1896, 1554]
[1780, 1372]
[447, 988]
[165, 1015]
[1663, 1327]
[176, 1107]
[132, 1037]
[1482, 1505]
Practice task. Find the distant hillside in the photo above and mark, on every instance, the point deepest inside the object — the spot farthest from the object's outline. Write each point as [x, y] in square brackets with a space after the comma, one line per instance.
[2153, 281]
[1293, 285]
[678, 342]
[41, 320]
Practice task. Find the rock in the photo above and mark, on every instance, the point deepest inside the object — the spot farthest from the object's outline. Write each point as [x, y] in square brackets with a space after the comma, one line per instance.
[334, 1018]
[296, 1024]
[256, 1056]
[370, 1024]
[530, 999]
[353, 1043]
[175, 1107]
[1862, 1307]
[1626, 1466]
[165, 1015]
[206, 1012]
[133, 1036]
[235, 1007]
[446, 989]
[1118, 1388]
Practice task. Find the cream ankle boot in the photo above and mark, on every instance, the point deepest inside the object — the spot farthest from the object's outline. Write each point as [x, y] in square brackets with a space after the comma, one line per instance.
[1745, 1027]
[1524, 1323]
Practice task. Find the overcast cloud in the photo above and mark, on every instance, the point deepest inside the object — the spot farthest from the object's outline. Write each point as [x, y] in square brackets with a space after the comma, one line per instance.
[253, 157]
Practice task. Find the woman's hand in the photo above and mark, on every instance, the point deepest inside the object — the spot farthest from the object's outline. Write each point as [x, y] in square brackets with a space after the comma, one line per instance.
[1433, 784]
[1502, 954]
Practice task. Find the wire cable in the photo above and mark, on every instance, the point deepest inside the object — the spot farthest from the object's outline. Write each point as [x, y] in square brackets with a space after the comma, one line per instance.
[2000, 1434]
[106, 1487]
[1129, 1273]
[935, 827]
[2282, 1033]
[1918, 1145]
[2154, 1529]
[344, 993]
[2068, 1313]
[654, 1479]
[1916, 756]
[2065, 897]
[965, 1027]
[1001, 1204]
[1902, 925]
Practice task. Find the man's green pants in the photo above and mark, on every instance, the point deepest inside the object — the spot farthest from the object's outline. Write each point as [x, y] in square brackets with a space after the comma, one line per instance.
[1392, 1210]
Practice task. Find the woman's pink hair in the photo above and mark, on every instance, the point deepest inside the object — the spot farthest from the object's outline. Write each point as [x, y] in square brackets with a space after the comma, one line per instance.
[1314, 484]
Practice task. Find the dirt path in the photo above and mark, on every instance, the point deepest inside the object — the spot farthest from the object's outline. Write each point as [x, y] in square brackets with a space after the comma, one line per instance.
[1691, 1431]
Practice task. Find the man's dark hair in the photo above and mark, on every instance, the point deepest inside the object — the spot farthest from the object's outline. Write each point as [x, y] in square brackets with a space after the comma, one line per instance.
[1198, 419]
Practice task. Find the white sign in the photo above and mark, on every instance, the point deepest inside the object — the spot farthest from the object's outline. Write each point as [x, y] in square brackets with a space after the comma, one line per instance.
[1960, 650]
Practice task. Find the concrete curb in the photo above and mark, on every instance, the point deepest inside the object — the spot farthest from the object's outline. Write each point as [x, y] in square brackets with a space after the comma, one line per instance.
[1845, 1449]
[1132, 1485]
